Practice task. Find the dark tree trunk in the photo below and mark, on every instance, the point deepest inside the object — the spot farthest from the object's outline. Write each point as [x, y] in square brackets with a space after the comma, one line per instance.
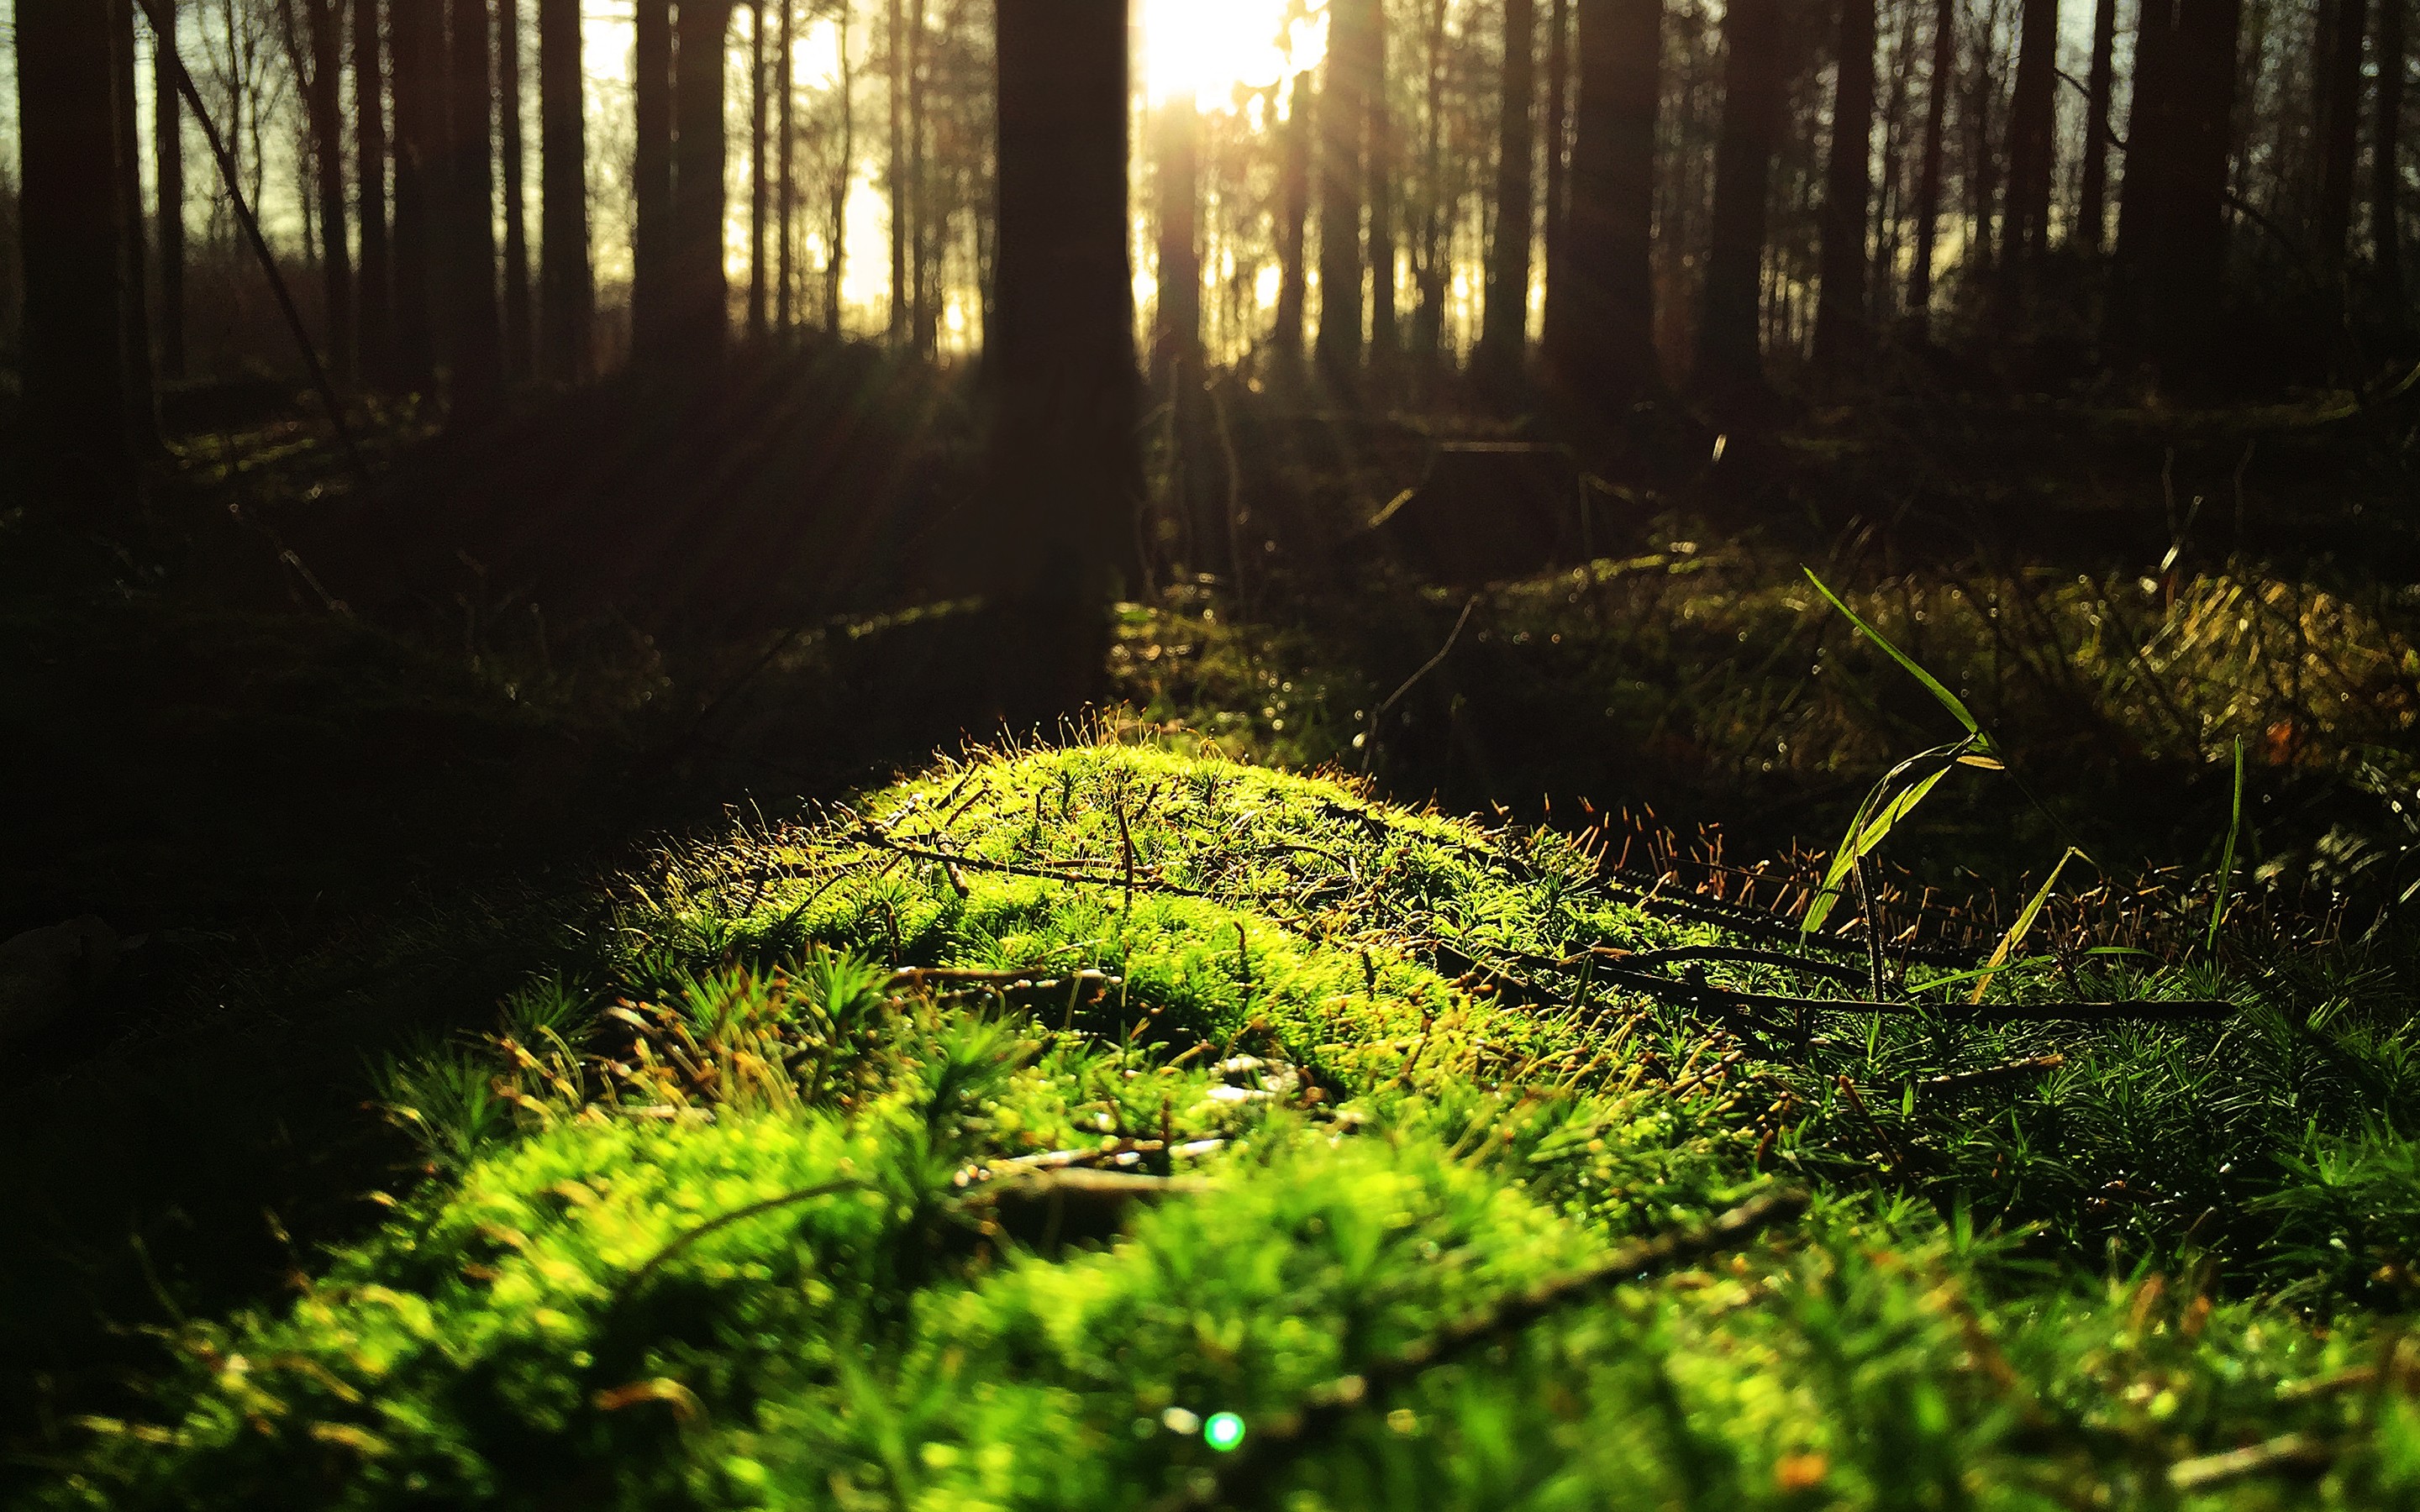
[1938, 85]
[519, 333]
[1842, 338]
[1176, 336]
[1504, 321]
[1294, 211]
[1060, 373]
[2092, 214]
[2338, 115]
[895, 64]
[759, 188]
[134, 308]
[1385, 339]
[83, 446]
[836, 257]
[2169, 276]
[475, 351]
[1428, 326]
[1601, 303]
[1890, 195]
[416, 38]
[1558, 134]
[923, 307]
[702, 292]
[1729, 359]
[168, 153]
[2386, 164]
[567, 292]
[651, 166]
[323, 104]
[784, 153]
[2025, 231]
[373, 317]
[1983, 161]
[1345, 112]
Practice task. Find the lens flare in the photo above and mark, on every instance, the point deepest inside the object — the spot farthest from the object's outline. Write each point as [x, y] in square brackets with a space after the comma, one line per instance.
[1208, 48]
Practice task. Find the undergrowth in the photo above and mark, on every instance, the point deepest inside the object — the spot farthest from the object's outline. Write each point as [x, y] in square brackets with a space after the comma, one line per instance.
[1121, 1126]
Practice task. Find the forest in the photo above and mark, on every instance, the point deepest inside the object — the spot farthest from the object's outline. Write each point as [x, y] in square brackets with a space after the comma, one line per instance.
[1156, 754]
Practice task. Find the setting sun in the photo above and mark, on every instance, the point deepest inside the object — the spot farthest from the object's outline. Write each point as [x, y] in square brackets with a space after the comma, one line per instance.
[1208, 47]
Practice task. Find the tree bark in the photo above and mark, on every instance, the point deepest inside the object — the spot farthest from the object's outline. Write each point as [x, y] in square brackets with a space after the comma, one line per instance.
[2337, 113]
[2386, 164]
[416, 39]
[2092, 214]
[759, 193]
[1938, 85]
[1060, 373]
[168, 154]
[1294, 211]
[82, 452]
[836, 251]
[2025, 231]
[1176, 337]
[1600, 345]
[784, 153]
[373, 316]
[323, 106]
[1504, 321]
[519, 335]
[567, 290]
[1385, 338]
[896, 64]
[1729, 357]
[923, 308]
[475, 351]
[1428, 326]
[2168, 273]
[1558, 134]
[652, 237]
[1344, 113]
[701, 313]
[1842, 338]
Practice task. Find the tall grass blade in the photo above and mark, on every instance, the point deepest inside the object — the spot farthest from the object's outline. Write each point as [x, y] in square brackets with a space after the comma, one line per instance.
[2226, 855]
[2008, 942]
[1875, 819]
[1949, 701]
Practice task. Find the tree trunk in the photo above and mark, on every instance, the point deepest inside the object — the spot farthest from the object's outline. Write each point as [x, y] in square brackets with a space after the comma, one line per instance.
[1729, 359]
[896, 64]
[1558, 134]
[1938, 85]
[1890, 195]
[168, 154]
[2169, 269]
[784, 152]
[2386, 164]
[1428, 328]
[1385, 339]
[1504, 321]
[475, 351]
[82, 457]
[134, 306]
[1842, 338]
[921, 272]
[2338, 115]
[1293, 210]
[836, 250]
[2092, 214]
[373, 317]
[1600, 343]
[759, 193]
[1345, 112]
[566, 291]
[2025, 231]
[1176, 337]
[324, 111]
[702, 292]
[415, 37]
[519, 333]
[1059, 374]
[652, 237]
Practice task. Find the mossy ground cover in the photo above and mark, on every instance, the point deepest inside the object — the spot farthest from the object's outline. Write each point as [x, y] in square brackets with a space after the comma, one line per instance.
[982, 1142]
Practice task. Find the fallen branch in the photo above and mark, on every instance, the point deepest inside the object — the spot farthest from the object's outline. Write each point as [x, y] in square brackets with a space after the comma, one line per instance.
[2295, 1454]
[875, 840]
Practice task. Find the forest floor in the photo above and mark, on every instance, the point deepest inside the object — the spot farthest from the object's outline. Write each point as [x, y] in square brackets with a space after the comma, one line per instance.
[335, 840]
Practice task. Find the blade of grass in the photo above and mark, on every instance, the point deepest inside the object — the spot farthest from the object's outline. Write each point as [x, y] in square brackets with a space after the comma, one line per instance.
[2226, 855]
[1949, 701]
[1873, 822]
[2016, 934]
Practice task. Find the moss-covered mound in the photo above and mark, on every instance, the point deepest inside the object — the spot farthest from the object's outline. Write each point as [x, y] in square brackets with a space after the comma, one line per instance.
[1108, 1128]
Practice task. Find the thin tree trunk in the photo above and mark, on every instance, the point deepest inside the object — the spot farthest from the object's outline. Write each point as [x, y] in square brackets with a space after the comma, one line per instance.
[1557, 132]
[1428, 333]
[1345, 112]
[168, 154]
[702, 311]
[134, 305]
[417, 40]
[1504, 321]
[896, 67]
[652, 237]
[518, 332]
[1176, 337]
[2386, 164]
[785, 193]
[1842, 338]
[2092, 214]
[758, 191]
[566, 286]
[475, 354]
[1385, 339]
[81, 435]
[1293, 210]
[1983, 162]
[373, 312]
[1890, 197]
[2024, 232]
[316, 51]
[836, 251]
[1729, 359]
[1600, 343]
[919, 196]
[1065, 473]
[2337, 114]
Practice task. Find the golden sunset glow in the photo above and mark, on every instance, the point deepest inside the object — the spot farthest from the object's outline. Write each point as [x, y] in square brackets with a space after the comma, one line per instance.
[1206, 48]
